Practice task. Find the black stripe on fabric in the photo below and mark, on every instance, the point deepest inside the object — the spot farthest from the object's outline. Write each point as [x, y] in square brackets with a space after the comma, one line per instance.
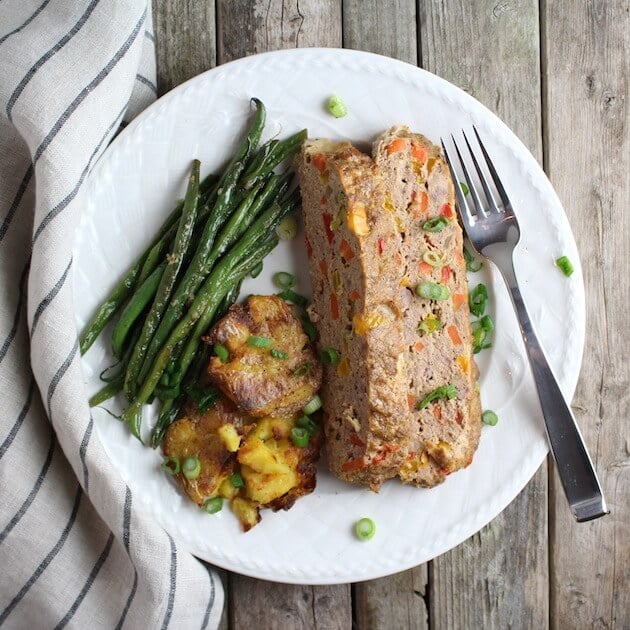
[46, 561]
[146, 82]
[16, 318]
[126, 535]
[41, 307]
[83, 449]
[73, 193]
[173, 586]
[149, 36]
[26, 180]
[59, 374]
[20, 419]
[46, 56]
[210, 605]
[33, 493]
[120, 53]
[42, 6]
[86, 587]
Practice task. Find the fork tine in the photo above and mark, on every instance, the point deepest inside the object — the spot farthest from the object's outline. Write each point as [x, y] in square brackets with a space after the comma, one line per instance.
[462, 205]
[471, 186]
[493, 171]
[484, 181]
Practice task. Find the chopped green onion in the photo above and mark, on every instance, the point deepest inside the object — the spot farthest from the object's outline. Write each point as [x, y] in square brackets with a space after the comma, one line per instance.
[312, 405]
[289, 295]
[439, 393]
[471, 263]
[303, 369]
[284, 280]
[278, 354]
[428, 325]
[299, 437]
[222, 352]
[435, 259]
[437, 224]
[204, 398]
[432, 291]
[171, 465]
[330, 356]
[237, 481]
[191, 467]
[489, 417]
[564, 264]
[339, 219]
[365, 528]
[308, 327]
[337, 107]
[287, 228]
[477, 299]
[260, 342]
[464, 188]
[307, 423]
[256, 271]
[486, 323]
[214, 505]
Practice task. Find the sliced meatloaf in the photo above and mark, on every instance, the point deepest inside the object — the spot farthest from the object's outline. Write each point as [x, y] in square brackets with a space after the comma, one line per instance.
[357, 309]
[438, 341]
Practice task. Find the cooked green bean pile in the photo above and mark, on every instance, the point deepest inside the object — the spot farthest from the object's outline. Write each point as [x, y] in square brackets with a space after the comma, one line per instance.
[190, 275]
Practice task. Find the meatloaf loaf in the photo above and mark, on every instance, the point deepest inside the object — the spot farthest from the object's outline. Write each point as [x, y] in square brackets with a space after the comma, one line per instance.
[403, 398]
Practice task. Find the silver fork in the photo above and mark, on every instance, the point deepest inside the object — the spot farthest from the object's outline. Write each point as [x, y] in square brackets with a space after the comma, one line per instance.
[494, 233]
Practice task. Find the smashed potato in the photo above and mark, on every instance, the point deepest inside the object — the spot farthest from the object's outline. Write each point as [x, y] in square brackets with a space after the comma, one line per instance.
[271, 369]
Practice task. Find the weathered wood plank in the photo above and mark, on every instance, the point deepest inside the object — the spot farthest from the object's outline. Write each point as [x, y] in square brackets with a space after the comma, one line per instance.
[588, 159]
[498, 578]
[185, 40]
[246, 28]
[387, 29]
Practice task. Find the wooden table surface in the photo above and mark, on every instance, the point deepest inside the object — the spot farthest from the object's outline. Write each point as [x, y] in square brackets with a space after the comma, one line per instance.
[556, 71]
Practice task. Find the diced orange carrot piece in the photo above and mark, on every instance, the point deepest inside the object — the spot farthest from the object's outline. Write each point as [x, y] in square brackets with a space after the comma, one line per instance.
[399, 258]
[459, 299]
[353, 464]
[420, 153]
[377, 459]
[323, 267]
[354, 295]
[334, 306]
[453, 333]
[424, 201]
[446, 210]
[319, 162]
[459, 258]
[426, 268]
[356, 440]
[381, 245]
[327, 219]
[411, 401]
[437, 412]
[418, 346]
[445, 274]
[346, 250]
[396, 145]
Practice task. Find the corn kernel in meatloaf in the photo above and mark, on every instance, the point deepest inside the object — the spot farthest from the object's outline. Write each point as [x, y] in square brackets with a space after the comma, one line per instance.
[445, 434]
[352, 241]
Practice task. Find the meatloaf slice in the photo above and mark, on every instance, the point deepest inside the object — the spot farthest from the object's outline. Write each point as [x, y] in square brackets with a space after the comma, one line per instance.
[438, 340]
[357, 309]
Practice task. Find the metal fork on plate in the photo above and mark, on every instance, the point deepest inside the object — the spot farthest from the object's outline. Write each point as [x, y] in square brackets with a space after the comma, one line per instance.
[493, 231]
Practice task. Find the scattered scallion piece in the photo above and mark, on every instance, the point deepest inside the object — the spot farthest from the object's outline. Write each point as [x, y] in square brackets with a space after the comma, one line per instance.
[287, 228]
[312, 405]
[489, 417]
[486, 323]
[432, 291]
[276, 353]
[437, 224]
[337, 107]
[171, 465]
[299, 437]
[464, 188]
[477, 299]
[365, 528]
[428, 325]
[435, 259]
[472, 264]
[307, 423]
[191, 467]
[284, 280]
[564, 264]
[214, 505]
[439, 393]
[222, 352]
[330, 356]
[237, 481]
[308, 327]
[303, 369]
[257, 270]
[260, 342]
[480, 330]
[289, 295]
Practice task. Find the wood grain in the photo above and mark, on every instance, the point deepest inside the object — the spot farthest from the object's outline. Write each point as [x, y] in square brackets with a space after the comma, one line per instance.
[185, 40]
[588, 160]
[499, 577]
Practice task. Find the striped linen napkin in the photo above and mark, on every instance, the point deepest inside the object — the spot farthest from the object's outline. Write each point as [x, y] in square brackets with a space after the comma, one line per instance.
[76, 550]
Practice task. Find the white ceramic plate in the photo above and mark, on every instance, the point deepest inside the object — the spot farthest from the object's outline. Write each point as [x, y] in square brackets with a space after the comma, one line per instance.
[144, 171]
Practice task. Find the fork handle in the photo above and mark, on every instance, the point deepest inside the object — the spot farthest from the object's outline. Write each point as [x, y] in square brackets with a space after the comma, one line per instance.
[573, 463]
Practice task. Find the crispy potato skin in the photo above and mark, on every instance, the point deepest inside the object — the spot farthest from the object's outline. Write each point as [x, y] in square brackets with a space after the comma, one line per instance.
[258, 383]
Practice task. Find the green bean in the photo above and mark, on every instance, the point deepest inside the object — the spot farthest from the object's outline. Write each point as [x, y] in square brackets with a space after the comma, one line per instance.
[167, 281]
[138, 302]
[258, 163]
[168, 413]
[109, 390]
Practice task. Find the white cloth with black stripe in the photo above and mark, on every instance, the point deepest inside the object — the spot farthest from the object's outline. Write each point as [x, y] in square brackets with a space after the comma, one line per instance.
[75, 549]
